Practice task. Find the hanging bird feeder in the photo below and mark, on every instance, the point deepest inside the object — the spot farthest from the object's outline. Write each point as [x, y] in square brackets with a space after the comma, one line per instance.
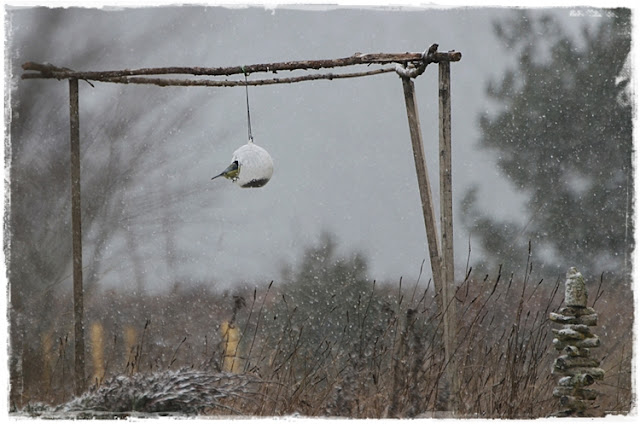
[251, 165]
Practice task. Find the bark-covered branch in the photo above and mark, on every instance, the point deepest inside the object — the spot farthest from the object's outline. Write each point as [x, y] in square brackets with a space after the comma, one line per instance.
[166, 82]
[414, 60]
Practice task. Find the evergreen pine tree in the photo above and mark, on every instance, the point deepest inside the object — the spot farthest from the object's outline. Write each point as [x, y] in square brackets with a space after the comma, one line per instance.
[563, 136]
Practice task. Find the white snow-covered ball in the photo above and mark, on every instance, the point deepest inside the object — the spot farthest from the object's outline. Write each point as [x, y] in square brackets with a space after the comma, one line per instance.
[255, 166]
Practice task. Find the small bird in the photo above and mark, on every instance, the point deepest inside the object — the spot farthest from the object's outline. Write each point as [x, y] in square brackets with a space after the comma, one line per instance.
[251, 166]
[231, 172]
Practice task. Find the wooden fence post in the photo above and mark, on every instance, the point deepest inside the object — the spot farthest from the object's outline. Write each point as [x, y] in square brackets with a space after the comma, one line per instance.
[130, 338]
[440, 250]
[76, 224]
[97, 353]
[231, 361]
[446, 228]
[423, 182]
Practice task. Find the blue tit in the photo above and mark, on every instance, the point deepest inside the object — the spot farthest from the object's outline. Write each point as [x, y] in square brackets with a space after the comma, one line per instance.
[231, 172]
[251, 166]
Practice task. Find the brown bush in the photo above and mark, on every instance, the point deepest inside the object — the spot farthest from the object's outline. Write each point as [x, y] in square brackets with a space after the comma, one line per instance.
[385, 361]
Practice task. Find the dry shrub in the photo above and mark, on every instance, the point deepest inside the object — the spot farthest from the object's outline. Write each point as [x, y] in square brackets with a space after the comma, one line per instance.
[375, 353]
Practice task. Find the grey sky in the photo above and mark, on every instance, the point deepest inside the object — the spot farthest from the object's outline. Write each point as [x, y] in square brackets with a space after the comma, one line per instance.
[342, 154]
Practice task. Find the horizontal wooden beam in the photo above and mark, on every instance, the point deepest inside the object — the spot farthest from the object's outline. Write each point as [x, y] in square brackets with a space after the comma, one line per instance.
[37, 70]
[172, 82]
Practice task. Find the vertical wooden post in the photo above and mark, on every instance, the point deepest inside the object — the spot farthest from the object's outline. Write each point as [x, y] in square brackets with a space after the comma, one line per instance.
[423, 183]
[76, 224]
[96, 335]
[446, 227]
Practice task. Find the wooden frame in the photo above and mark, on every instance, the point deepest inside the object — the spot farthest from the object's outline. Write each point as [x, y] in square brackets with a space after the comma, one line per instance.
[407, 66]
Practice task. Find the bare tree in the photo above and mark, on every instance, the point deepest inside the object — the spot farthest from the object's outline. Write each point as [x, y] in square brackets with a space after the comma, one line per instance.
[120, 146]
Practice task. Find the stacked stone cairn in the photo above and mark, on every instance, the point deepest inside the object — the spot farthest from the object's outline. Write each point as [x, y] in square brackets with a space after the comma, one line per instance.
[575, 366]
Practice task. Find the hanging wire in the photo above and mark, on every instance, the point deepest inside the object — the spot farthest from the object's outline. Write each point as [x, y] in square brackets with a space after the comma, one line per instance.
[246, 87]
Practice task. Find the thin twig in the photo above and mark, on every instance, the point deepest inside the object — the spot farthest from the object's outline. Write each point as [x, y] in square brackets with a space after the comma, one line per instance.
[598, 291]
[173, 358]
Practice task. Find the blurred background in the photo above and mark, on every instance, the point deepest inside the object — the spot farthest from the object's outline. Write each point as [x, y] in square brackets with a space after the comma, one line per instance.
[541, 134]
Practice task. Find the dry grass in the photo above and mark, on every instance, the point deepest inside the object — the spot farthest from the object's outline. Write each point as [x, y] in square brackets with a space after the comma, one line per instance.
[379, 354]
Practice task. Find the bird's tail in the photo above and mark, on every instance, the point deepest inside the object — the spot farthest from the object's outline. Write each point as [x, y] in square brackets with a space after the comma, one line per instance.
[230, 172]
